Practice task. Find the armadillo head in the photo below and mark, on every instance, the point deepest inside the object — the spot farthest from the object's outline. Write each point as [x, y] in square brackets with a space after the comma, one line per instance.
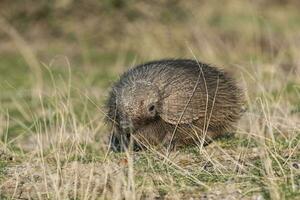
[138, 104]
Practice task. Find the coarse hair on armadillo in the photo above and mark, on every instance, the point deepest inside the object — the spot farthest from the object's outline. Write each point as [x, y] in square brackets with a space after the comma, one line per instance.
[183, 91]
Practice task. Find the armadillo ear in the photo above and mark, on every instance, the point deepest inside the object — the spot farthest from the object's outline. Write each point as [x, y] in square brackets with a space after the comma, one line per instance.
[182, 102]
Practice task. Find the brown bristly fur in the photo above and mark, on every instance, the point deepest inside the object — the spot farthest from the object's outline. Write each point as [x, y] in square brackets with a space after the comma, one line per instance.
[187, 96]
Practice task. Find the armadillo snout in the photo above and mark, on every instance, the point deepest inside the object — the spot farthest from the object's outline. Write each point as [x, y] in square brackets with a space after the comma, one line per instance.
[121, 143]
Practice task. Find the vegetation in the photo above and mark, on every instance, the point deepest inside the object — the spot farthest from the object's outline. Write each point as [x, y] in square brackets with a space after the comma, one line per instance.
[58, 59]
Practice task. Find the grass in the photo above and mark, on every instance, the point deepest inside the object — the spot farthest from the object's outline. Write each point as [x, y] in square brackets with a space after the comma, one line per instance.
[53, 138]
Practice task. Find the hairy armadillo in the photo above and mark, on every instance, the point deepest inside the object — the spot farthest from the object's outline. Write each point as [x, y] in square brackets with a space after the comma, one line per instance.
[176, 101]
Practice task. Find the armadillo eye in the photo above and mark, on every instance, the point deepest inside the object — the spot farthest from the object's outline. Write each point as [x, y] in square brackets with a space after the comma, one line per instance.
[151, 108]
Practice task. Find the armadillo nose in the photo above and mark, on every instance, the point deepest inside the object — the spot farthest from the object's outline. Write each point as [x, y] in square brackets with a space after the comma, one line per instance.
[126, 125]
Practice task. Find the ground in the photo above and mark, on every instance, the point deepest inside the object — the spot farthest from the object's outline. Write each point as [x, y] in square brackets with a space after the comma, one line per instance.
[58, 60]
